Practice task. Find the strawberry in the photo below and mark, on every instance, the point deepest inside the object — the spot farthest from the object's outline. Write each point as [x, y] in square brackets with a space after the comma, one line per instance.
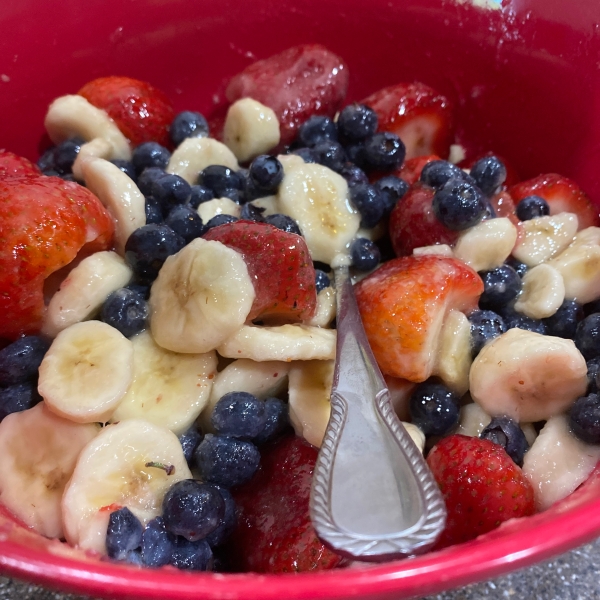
[297, 83]
[503, 206]
[142, 112]
[280, 266]
[44, 223]
[402, 305]
[561, 194]
[512, 175]
[274, 532]
[481, 485]
[418, 114]
[11, 164]
[413, 223]
[410, 171]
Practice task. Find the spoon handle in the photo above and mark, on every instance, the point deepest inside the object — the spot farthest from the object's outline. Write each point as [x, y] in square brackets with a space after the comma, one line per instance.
[373, 497]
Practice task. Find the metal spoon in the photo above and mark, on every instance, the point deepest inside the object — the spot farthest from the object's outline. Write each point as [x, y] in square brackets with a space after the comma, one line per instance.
[373, 497]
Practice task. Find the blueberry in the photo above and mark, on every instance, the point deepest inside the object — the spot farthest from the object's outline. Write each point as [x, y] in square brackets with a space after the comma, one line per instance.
[186, 222]
[148, 247]
[584, 418]
[284, 223]
[266, 173]
[171, 190]
[46, 161]
[147, 178]
[277, 420]
[157, 544]
[392, 189]
[225, 460]
[154, 211]
[434, 408]
[369, 202]
[364, 254]
[125, 166]
[330, 154]
[18, 397]
[316, 129]
[593, 375]
[199, 194]
[238, 196]
[506, 433]
[142, 290]
[229, 521]
[20, 360]
[563, 323]
[250, 212]
[191, 556]
[486, 325]
[150, 154]
[532, 207]
[437, 173]
[124, 533]
[126, 311]
[489, 174]
[515, 320]
[306, 154]
[517, 265]
[69, 177]
[384, 151]
[500, 286]
[356, 122]
[353, 175]
[219, 178]
[187, 124]
[587, 336]
[239, 415]
[459, 205]
[219, 220]
[356, 154]
[189, 440]
[66, 153]
[51, 173]
[322, 280]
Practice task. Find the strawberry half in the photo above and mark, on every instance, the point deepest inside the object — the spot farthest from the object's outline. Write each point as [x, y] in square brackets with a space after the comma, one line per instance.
[12, 164]
[297, 83]
[280, 266]
[481, 485]
[403, 304]
[410, 171]
[142, 112]
[274, 532]
[561, 194]
[419, 115]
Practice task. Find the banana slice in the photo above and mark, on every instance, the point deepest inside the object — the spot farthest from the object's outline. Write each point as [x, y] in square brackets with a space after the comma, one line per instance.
[97, 148]
[473, 420]
[119, 194]
[86, 372]
[326, 309]
[543, 292]
[309, 394]
[38, 451]
[317, 199]
[218, 206]
[84, 291]
[74, 116]
[195, 154]
[168, 389]
[251, 128]
[268, 203]
[418, 437]
[201, 297]
[290, 161]
[439, 249]
[120, 467]
[527, 376]
[285, 342]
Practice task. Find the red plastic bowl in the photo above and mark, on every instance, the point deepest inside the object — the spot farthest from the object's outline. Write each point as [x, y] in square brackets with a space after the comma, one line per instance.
[526, 83]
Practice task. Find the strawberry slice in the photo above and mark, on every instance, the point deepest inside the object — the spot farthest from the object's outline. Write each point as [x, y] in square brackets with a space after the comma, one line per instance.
[11, 164]
[44, 223]
[503, 206]
[403, 304]
[142, 112]
[274, 532]
[561, 194]
[280, 266]
[413, 223]
[297, 83]
[481, 485]
[419, 115]
[410, 171]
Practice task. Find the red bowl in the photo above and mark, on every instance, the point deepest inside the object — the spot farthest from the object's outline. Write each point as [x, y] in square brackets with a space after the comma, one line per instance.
[525, 82]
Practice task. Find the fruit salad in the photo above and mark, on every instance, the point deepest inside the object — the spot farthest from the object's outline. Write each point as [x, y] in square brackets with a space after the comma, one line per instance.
[168, 301]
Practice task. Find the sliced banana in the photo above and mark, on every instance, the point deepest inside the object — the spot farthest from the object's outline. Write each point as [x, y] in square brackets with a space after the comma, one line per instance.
[119, 194]
[74, 116]
[201, 297]
[317, 199]
[527, 376]
[557, 462]
[251, 128]
[400, 392]
[417, 436]
[86, 372]
[285, 343]
[543, 292]
[326, 308]
[290, 161]
[473, 420]
[97, 148]
[458, 153]
[84, 291]
[195, 154]
[437, 249]
[487, 245]
[38, 451]
[543, 238]
[218, 206]
[168, 389]
[120, 467]
[268, 204]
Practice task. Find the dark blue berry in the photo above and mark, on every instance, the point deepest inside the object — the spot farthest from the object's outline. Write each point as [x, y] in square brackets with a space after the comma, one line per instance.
[356, 154]
[199, 194]
[437, 173]
[219, 220]
[46, 161]
[187, 124]
[171, 190]
[186, 222]
[18, 397]
[266, 173]
[316, 129]
[51, 173]
[284, 223]
[489, 173]
[189, 441]
[563, 323]
[306, 154]
[506, 433]
[434, 408]
[239, 415]
[229, 521]
[20, 360]
[219, 179]
[150, 154]
[66, 153]
[154, 211]
[593, 375]
[126, 311]
[69, 177]
[191, 556]
[142, 290]
[486, 325]
[322, 280]
[500, 286]
[125, 166]
[591, 307]
[148, 247]
[124, 533]
[369, 202]
[277, 420]
[250, 212]
[584, 418]
[330, 154]
[384, 151]
[147, 178]
[157, 544]
[225, 460]
[515, 320]
[356, 122]
[517, 265]
[364, 254]
[587, 336]
[353, 175]
[238, 196]
[459, 205]
[532, 207]
[392, 189]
